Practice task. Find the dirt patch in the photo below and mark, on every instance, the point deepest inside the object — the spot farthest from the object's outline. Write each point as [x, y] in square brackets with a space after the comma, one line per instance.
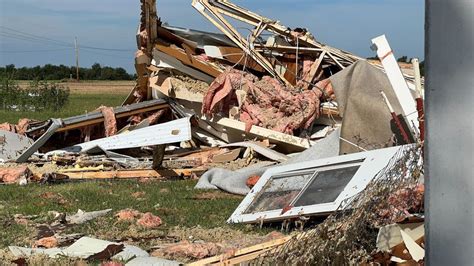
[56, 197]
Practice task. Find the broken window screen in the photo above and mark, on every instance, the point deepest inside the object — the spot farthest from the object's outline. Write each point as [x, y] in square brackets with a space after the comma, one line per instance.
[326, 186]
[279, 192]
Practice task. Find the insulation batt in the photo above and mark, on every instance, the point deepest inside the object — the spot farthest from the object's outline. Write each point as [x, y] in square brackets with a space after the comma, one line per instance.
[267, 104]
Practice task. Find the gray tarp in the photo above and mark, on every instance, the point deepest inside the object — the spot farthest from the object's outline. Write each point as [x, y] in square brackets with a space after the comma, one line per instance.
[235, 181]
[367, 121]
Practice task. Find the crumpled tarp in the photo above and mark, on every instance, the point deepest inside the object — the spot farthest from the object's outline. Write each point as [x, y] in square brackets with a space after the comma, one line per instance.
[367, 121]
[267, 103]
[235, 181]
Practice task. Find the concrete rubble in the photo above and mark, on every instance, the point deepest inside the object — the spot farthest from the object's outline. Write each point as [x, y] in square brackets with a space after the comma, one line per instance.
[275, 115]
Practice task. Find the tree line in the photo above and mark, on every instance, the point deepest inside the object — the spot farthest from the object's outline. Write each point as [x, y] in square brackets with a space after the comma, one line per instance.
[405, 59]
[62, 72]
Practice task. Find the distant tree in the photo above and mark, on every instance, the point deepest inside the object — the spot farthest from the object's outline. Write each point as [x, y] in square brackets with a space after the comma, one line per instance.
[403, 59]
[373, 58]
[54, 72]
[95, 71]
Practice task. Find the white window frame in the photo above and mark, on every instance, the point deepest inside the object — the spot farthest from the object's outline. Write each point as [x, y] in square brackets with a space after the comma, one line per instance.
[371, 162]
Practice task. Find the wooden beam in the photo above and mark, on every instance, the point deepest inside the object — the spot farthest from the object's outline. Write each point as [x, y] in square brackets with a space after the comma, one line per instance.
[314, 69]
[128, 174]
[234, 130]
[189, 60]
[237, 56]
[224, 26]
[121, 115]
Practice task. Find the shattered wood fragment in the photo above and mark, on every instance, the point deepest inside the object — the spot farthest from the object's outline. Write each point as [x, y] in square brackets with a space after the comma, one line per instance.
[181, 163]
[93, 118]
[226, 156]
[124, 174]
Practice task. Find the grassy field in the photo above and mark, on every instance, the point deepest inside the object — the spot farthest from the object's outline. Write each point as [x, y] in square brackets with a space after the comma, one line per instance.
[175, 202]
[85, 97]
[184, 211]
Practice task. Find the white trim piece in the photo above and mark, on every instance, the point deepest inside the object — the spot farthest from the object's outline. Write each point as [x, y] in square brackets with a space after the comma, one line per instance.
[371, 162]
[399, 84]
[169, 132]
[213, 51]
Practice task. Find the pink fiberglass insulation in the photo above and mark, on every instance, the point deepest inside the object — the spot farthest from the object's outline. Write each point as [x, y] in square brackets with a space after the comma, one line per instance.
[267, 104]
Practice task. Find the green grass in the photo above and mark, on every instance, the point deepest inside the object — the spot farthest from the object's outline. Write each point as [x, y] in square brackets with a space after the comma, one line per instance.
[175, 202]
[78, 104]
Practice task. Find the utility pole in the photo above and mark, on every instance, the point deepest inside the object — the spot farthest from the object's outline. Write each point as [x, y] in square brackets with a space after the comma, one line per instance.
[76, 47]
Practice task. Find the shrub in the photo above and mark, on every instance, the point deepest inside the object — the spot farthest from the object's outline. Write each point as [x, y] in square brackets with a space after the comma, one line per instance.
[39, 96]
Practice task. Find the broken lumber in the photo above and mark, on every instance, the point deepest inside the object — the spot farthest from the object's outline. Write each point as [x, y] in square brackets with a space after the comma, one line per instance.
[231, 130]
[129, 174]
[97, 117]
[189, 60]
[242, 255]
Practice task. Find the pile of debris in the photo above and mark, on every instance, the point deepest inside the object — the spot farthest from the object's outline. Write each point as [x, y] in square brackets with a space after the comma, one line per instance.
[297, 126]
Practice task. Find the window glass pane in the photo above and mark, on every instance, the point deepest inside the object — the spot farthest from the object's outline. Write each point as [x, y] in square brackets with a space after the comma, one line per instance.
[327, 186]
[279, 192]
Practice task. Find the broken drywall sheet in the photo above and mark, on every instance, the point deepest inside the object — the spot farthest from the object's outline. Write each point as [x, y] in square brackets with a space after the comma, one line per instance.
[12, 145]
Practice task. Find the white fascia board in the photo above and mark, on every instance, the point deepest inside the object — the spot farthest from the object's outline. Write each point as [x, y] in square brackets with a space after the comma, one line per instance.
[373, 162]
[169, 132]
[398, 82]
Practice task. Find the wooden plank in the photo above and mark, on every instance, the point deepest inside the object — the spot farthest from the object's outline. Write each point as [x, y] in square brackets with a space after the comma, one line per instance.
[243, 254]
[236, 56]
[101, 119]
[189, 60]
[234, 35]
[229, 128]
[127, 174]
[291, 68]
[314, 69]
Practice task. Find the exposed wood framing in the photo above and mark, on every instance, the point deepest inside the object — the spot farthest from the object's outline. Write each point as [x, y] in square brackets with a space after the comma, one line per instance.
[189, 60]
[314, 69]
[215, 11]
[120, 112]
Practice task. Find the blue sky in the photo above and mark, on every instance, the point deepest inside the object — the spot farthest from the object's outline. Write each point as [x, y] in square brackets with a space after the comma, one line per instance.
[345, 24]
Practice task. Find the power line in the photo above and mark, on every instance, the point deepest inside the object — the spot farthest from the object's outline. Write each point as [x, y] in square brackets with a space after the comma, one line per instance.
[107, 49]
[34, 51]
[18, 32]
[29, 39]
[21, 35]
